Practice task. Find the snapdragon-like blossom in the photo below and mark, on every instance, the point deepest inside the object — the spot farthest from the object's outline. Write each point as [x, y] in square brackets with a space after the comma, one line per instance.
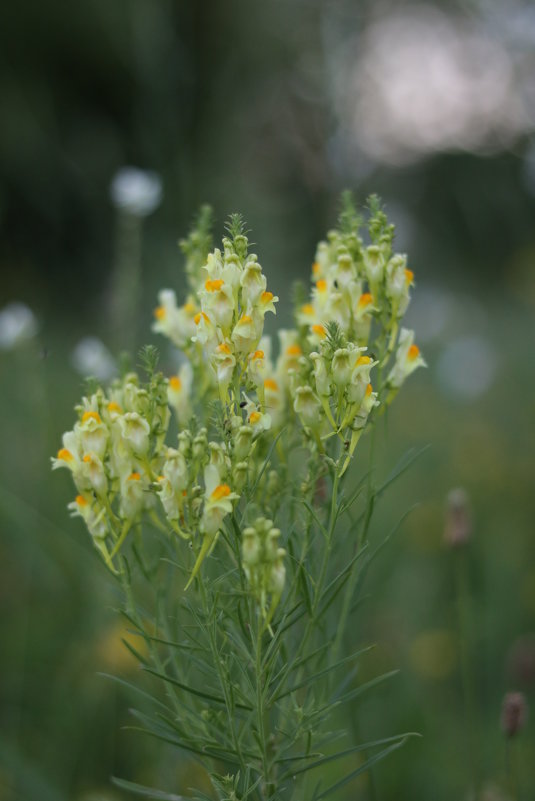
[342, 363]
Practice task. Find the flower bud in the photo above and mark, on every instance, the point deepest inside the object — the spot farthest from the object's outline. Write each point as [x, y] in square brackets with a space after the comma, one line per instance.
[184, 442]
[135, 430]
[396, 283]
[514, 713]
[251, 547]
[272, 544]
[307, 406]
[200, 445]
[278, 574]
[458, 523]
[240, 474]
[341, 367]
[323, 384]
[374, 264]
[344, 271]
[218, 456]
[242, 442]
[273, 483]
[176, 470]
[253, 283]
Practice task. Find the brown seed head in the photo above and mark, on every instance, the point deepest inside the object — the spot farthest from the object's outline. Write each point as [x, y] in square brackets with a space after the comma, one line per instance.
[458, 522]
[514, 713]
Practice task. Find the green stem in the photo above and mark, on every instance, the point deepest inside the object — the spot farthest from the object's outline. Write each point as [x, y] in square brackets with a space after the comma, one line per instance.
[333, 516]
[126, 528]
[510, 769]
[363, 536]
[262, 713]
[467, 677]
[126, 585]
[223, 680]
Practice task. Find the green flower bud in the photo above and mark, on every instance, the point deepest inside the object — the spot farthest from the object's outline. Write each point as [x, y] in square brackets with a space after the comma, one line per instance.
[307, 406]
[272, 542]
[200, 445]
[184, 443]
[251, 547]
[240, 474]
[272, 483]
[243, 440]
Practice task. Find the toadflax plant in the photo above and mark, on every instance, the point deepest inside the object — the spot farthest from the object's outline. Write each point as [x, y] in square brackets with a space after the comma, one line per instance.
[235, 540]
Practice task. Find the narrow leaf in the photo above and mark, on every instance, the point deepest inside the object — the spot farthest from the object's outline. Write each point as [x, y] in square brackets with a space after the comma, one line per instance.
[362, 769]
[207, 696]
[148, 792]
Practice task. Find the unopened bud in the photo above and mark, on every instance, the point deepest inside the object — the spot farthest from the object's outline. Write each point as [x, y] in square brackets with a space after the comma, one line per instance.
[217, 456]
[272, 544]
[184, 442]
[272, 485]
[239, 474]
[250, 547]
[200, 444]
[514, 713]
[278, 574]
[242, 442]
[458, 524]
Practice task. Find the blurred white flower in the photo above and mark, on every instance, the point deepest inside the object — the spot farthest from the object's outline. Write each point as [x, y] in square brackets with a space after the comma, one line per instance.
[92, 357]
[467, 367]
[421, 79]
[136, 191]
[17, 324]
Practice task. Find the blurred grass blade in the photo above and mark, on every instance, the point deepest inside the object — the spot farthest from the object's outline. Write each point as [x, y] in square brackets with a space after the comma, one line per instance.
[408, 458]
[147, 792]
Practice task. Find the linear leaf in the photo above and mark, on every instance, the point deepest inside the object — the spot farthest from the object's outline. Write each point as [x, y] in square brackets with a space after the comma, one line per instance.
[133, 687]
[266, 462]
[352, 694]
[311, 679]
[207, 696]
[361, 769]
[408, 458]
[348, 751]
[148, 792]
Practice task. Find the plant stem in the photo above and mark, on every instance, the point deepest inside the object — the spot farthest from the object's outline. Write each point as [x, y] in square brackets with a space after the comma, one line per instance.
[467, 677]
[510, 769]
[262, 713]
[223, 680]
[363, 536]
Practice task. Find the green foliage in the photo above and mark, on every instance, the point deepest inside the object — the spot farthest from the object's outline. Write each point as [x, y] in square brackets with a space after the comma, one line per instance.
[267, 704]
[198, 243]
[381, 231]
[148, 359]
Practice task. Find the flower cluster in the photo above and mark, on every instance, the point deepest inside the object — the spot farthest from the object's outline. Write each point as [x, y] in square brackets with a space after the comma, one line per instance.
[114, 452]
[346, 356]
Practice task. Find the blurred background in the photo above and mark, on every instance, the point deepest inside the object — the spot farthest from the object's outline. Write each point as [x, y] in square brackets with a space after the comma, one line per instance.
[271, 109]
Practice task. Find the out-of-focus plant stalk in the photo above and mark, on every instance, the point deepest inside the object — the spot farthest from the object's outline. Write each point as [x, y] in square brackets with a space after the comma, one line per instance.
[126, 281]
[466, 663]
